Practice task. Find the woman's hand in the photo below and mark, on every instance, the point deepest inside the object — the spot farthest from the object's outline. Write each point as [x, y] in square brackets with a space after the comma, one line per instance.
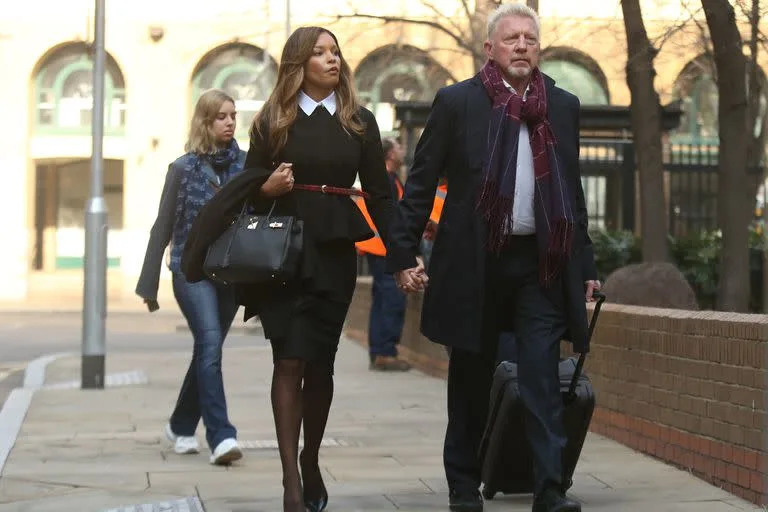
[279, 182]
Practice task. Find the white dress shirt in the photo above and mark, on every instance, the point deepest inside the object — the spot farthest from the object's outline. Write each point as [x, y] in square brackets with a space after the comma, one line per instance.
[308, 105]
[523, 220]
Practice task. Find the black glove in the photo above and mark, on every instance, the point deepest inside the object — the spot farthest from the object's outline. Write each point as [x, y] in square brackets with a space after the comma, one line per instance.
[152, 305]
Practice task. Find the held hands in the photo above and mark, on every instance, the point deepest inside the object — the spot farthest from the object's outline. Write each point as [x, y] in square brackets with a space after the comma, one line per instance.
[592, 286]
[412, 279]
[279, 182]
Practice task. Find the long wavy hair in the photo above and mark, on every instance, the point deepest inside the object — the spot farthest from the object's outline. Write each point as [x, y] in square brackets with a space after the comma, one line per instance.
[280, 110]
[201, 140]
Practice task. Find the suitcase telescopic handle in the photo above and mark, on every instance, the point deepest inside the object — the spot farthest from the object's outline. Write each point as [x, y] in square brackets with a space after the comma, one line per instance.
[582, 357]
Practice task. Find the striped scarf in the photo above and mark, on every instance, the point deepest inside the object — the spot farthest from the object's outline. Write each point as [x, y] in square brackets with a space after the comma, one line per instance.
[552, 208]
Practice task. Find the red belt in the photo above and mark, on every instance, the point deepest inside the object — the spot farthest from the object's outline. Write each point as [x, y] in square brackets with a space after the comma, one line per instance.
[327, 189]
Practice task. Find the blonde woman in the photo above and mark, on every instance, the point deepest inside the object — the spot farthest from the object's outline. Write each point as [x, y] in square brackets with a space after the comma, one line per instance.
[308, 144]
[212, 158]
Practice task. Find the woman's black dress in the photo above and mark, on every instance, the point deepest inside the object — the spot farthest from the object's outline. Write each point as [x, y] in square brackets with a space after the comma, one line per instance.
[304, 319]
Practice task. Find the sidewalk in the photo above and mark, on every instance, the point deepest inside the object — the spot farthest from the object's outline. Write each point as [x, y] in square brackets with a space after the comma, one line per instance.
[96, 450]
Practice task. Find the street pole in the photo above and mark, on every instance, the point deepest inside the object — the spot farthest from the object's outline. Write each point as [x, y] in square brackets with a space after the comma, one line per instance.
[287, 19]
[95, 287]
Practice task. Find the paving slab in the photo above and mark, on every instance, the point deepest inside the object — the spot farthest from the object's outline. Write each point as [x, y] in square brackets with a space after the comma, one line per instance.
[105, 450]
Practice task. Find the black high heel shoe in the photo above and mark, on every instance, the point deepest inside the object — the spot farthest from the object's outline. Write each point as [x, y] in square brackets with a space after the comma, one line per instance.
[314, 504]
[317, 505]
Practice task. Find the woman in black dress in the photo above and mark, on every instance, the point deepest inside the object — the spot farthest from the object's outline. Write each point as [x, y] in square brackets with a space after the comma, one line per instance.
[311, 132]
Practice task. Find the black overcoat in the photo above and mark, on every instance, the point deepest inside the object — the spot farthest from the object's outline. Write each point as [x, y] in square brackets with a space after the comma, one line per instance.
[453, 144]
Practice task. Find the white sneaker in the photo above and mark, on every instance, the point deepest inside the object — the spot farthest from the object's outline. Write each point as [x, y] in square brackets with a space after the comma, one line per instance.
[226, 452]
[181, 444]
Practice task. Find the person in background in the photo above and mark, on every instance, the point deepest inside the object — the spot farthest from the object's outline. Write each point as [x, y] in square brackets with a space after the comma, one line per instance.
[385, 325]
[430, 231]
[212, 158]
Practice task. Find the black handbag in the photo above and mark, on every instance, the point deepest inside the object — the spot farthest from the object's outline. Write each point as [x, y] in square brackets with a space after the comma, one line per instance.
[256, 249]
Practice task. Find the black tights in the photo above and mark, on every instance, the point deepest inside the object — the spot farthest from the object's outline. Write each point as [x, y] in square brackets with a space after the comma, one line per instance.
[300, 390]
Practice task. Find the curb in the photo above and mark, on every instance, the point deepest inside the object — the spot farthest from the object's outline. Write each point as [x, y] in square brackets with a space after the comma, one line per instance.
[17, 404]
[34, 374]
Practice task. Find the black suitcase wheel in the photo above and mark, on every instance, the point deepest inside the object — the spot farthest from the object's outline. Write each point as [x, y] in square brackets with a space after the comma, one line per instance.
[488, 494]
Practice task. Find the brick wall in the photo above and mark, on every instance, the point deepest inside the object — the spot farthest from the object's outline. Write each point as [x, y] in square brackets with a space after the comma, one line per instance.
[687, 387]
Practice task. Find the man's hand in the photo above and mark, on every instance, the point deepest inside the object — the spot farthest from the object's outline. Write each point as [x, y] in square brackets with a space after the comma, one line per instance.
[592, 286]
[412, 279]
[152, 305]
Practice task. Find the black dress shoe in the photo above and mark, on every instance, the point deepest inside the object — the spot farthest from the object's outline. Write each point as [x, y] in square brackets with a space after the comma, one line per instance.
[465, 501]
[553, 499]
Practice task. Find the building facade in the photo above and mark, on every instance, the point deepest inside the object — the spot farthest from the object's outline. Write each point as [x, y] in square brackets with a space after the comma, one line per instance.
[162, 55]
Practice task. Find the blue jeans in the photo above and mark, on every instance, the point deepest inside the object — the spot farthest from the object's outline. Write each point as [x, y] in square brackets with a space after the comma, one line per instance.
[209, 309]
[385, 324]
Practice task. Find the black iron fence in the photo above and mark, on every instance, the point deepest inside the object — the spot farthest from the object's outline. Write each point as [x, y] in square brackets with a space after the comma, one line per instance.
[609, 181]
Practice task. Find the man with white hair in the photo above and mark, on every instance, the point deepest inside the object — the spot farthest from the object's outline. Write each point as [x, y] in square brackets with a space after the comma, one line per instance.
[512, 253]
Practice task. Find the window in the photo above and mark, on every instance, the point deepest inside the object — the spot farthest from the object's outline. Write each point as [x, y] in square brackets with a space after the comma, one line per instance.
[245, 72]
[577, 73]
[64, 93]
[396, 74]
[696, 88]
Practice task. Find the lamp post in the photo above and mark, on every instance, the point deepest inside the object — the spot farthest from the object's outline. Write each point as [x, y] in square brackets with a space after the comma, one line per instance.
[95, 271]
[287, 19]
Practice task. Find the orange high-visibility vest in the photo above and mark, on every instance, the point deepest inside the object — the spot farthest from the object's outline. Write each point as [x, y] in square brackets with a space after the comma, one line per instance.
[437, 207]
[374, 245]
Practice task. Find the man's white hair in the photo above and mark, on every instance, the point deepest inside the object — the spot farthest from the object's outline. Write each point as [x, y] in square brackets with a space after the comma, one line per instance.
[515, 9]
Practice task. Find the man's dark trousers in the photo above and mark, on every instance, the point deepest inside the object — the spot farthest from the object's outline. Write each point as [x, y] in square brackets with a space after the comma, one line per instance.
[385, 325]
[514, 302]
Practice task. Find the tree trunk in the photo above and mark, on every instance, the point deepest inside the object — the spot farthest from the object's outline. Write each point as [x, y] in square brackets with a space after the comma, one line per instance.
[735, 196]
[478, 25]
[645, 112]
[754, 90]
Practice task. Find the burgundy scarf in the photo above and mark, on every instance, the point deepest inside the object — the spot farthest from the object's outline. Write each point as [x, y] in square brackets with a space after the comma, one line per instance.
[552, 209]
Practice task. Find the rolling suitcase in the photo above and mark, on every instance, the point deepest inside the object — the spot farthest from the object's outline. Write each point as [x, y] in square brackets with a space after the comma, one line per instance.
[507, 462]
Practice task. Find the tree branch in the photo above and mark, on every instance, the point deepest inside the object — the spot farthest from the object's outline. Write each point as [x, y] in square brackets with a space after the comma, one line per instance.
[457, 38]
[465, 6]
[660, 41]
[439, 14]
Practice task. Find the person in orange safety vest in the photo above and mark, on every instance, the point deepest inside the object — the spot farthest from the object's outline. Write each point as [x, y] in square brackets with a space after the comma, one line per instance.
[387, 317]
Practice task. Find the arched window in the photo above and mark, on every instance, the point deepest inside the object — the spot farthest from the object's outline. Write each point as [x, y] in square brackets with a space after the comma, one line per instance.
[64, 93]
[245, 72]
[397, 73]
[697, 90]
[577, 73]
[696, 87]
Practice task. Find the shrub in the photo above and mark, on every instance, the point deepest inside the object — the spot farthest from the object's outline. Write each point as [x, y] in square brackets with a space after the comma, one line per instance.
[613, 250]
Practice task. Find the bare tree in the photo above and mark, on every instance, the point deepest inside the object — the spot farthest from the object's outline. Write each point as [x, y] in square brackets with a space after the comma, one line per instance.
[738, 111]
[645, 113]
[467, 31]
[757, 121]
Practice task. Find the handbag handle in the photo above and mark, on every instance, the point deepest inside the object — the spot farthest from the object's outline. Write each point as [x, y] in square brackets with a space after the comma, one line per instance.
[225, 261]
